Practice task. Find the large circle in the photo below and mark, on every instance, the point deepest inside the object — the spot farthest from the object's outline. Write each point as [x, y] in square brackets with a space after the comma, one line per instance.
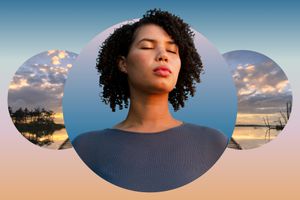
[214, 104]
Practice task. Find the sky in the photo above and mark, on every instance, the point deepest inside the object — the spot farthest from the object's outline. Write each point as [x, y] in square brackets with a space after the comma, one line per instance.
[263, 89]
[39, 82]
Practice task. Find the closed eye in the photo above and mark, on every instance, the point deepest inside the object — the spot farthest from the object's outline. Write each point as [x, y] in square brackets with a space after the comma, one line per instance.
[146, 48]
[174, 52]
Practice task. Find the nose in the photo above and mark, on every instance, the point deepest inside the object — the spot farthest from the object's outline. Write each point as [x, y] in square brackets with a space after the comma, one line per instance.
[162, 56]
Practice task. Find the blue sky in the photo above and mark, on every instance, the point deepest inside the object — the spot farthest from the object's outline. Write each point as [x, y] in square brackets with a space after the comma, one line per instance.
[70, 25]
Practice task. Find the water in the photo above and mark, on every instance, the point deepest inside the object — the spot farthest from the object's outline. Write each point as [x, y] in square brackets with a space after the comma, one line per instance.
[56, 138]
[252, 137]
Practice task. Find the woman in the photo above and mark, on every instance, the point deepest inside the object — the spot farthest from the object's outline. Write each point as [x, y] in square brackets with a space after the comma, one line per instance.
[151, 62]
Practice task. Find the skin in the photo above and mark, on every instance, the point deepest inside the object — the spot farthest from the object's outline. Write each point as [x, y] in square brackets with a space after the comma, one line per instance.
[149, 113]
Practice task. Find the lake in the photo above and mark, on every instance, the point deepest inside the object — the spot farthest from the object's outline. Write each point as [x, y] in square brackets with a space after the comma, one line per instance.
[251, 137]
[57, 138]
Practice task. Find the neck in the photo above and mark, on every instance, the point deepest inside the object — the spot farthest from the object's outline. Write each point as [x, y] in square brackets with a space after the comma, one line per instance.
[149, 113]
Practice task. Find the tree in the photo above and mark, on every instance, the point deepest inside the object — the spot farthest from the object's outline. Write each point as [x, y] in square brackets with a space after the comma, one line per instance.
[19, 115]
[10, 111]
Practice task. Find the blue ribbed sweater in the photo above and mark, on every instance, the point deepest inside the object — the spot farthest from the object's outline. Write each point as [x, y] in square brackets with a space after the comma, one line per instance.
[151, 162]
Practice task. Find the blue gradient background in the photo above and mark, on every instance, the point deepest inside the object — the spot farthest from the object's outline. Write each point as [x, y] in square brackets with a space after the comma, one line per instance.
[269, 27]
[214, 104]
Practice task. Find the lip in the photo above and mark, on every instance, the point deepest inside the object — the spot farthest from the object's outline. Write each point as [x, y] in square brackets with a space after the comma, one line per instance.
[162, 71]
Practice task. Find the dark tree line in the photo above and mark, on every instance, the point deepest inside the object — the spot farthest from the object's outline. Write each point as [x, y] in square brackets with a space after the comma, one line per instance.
[36, 115]
[37, 124]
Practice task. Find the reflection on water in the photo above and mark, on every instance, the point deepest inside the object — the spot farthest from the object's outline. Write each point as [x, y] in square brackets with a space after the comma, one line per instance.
[51, 141]
[252, 137]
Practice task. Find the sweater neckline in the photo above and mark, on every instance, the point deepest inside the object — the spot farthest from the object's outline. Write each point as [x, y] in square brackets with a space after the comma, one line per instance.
[147, 133]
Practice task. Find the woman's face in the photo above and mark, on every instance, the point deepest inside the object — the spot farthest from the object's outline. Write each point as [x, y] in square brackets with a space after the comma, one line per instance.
[153, 61]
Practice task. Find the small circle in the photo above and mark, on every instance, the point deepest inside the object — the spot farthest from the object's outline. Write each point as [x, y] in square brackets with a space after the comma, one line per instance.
[264, 98]
[35, 98]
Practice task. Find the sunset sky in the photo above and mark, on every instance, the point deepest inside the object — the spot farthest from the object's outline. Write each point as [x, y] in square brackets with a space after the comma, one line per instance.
[40, 80]
[262, 87]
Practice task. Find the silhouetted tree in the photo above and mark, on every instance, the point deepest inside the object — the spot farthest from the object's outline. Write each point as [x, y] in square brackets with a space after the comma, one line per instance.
[10, 111]
[37, 124]
[25, 115]
[19, 115]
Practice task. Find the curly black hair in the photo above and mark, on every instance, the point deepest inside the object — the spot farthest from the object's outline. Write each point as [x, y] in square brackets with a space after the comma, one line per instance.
[114, 82]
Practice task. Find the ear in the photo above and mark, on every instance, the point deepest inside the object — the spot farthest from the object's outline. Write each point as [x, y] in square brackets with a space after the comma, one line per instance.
[122, 64]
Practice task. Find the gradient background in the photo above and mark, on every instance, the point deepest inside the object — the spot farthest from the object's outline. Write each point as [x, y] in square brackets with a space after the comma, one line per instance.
[271, 28]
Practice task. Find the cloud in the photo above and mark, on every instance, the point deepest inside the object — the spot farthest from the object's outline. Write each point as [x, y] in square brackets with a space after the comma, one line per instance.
[262, 79]
[18, 83]
[33, 97]
[261, 84]
[39, 81]
[264, 103]
[55, 60]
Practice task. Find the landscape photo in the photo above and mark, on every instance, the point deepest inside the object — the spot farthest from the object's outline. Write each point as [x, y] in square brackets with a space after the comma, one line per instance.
[35, 98]
[264, 98]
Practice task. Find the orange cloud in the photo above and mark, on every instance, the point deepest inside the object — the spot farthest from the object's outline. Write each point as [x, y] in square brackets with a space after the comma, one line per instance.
[250, 68]
[55, 60]
[62, 54]
[282, 85]
[69, 65]
[268, 89]
[51, 52]
[16, 86]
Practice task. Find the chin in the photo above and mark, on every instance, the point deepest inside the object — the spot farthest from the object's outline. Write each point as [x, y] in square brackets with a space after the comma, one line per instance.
[163, 90]
[159, 87]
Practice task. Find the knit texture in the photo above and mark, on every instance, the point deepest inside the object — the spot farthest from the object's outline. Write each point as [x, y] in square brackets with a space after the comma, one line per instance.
[151, 162]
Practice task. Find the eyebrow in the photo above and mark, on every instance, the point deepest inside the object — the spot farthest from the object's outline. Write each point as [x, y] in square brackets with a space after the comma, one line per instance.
[153, 41]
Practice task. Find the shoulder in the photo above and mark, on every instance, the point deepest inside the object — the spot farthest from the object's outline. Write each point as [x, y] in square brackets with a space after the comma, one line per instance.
[208, 142]
[89, 137]
[89, 144]
[206, 134]
[88, 141]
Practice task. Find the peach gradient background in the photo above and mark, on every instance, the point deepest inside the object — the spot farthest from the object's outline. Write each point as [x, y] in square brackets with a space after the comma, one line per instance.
[31, 172]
